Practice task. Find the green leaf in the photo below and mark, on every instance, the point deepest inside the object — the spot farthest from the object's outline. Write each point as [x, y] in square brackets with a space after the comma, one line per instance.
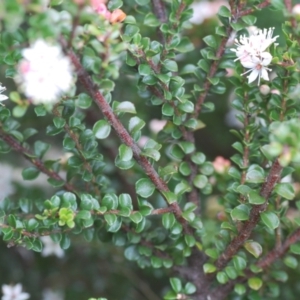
[125, 153]
[110, 201]
[114, 226]
[285, 190]
[240, 213]
[110, 219]
[198, 158]
[25, 205]
[167, 109]
[125, 201]
[84, 214]
[144, 187]
[212, 252]
[239, 262]
[170, 65]
[222, 277]
[224, 12]
[254, 248]
[210, 41]
[37, 245]
[291, 262]
[182, 187]
[40, 148]
[209, 268]
[255, 283]
[190, 288]
[129, 32]
[187, 106]
[101, 129]
[144, 69]
[124, 107]
[131, 253]
[295, 248]
[30, 173]
[135, 124]
[255, 198]
[32, 224]
[255, 174]
[176, 284]
[168, 220]
[249, 20]
[171, 295]
[156, 262]
[152, 153]
[107, 85]
[84, 101]
[150, 19]
[40, 111]
[270, 219]
[200, 181]
[240, 289]
[231, 272]
[136, 217]
[65, 242]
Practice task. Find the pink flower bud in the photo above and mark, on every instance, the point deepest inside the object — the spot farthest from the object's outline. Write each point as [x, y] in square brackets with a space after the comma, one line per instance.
[264, 89]
[221, 165]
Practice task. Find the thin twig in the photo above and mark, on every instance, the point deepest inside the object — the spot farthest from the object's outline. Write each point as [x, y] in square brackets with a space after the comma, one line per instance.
[15, 145]
[254, 217]
[222, 292]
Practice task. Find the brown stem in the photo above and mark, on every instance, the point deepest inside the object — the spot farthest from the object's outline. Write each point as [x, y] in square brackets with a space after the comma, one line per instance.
[159, 10]
[252, 10]
[278, 252]
[254, 217]
[222, 292]
[13, 143]
[211, 73]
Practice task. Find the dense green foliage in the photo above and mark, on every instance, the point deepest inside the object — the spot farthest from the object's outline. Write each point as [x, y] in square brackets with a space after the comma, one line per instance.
[101, 180]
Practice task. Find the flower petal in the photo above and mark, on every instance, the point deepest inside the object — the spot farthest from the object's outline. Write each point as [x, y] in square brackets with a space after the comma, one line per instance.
[253, 75]
[264, 74]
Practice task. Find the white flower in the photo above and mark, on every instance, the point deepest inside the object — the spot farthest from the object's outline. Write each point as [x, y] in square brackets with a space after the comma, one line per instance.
[2, 97]
[49, 294]
[252, 53]
[258, 67]
[13, 292]
[44, 73]
[51, 248]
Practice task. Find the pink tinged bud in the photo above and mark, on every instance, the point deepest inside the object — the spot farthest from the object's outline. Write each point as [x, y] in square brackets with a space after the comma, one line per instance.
[296, 10]
[117, 16]
[264, 89]
[276, 92]
[221, 216]
[221, 165]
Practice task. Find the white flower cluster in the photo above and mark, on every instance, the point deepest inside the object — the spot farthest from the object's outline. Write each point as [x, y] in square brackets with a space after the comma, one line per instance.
[51, 248]
[252, 53]
[13, 292]
[2, 97]
[44, 73]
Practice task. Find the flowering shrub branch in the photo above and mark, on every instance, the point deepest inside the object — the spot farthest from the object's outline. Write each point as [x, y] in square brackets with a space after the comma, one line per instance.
[112, 102]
